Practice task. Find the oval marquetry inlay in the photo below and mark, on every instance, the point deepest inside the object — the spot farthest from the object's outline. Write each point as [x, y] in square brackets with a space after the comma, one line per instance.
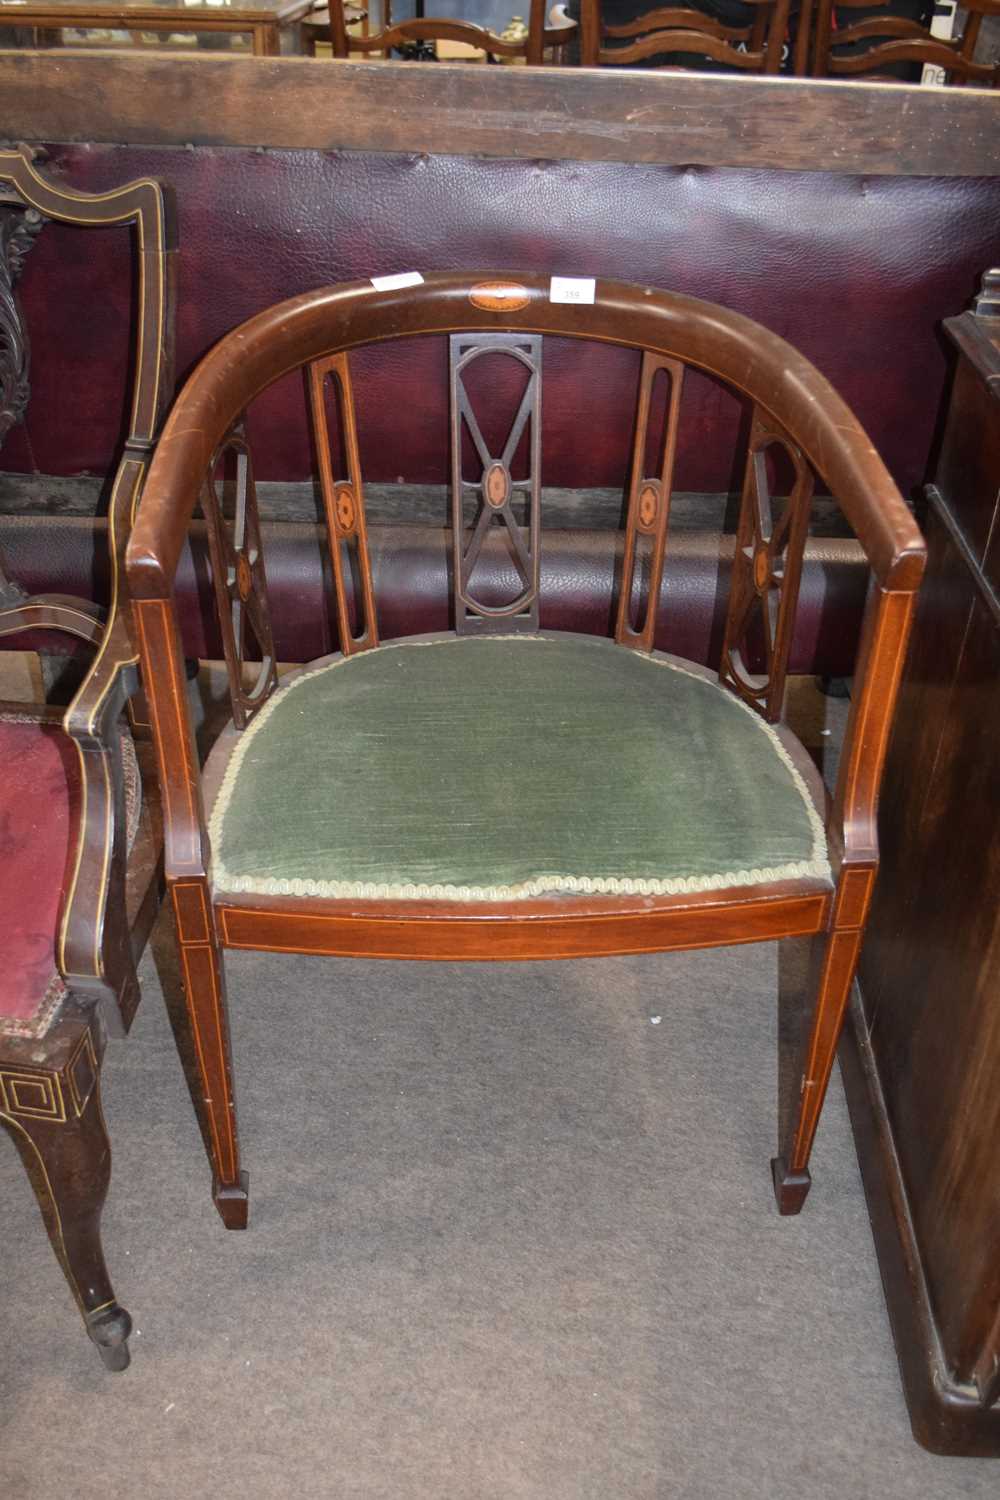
[244, 578]
[649, 505]
[496, 486]
[345, 508]
[761, 570]
[499, 296]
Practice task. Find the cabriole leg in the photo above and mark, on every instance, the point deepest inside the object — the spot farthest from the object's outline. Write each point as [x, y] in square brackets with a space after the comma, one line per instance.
[204, 991]
[54, 1115]
[831, 971]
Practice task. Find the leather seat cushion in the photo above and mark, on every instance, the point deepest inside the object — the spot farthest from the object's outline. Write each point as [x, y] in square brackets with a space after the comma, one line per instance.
[495, 768]
[38, 800]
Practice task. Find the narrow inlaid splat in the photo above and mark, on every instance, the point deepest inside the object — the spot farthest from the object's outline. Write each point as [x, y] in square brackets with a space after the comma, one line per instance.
[238, 575]
[344, 503]
[648, 507]
[767, 565]
[495, 489]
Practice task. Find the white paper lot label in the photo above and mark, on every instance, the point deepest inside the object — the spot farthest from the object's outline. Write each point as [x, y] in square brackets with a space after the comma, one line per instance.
[572, 289]
[397, 282]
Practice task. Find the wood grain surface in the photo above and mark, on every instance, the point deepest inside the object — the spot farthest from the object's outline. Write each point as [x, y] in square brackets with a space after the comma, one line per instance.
[538, 113]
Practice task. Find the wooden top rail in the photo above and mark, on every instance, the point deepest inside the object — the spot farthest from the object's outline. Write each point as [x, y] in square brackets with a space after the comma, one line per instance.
[569, 114]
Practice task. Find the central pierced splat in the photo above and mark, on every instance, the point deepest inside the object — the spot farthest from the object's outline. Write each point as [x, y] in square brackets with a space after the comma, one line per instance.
[494, 491]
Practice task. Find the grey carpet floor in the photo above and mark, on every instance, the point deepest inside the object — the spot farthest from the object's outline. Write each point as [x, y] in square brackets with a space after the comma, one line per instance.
[511, 1237]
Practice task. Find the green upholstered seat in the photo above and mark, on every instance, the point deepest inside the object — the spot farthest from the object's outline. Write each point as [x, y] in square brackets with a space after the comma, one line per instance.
[493, 768]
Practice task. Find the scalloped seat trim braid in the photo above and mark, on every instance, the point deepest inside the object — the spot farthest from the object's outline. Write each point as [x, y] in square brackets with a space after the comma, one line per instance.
[378, 738]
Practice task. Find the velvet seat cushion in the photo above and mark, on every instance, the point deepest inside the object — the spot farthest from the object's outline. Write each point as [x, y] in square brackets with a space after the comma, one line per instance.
[38, 800]
[494, 768]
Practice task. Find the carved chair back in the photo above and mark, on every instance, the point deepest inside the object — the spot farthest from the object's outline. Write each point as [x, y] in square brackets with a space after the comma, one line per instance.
[897, 39]
[28, 199]
[668, 31]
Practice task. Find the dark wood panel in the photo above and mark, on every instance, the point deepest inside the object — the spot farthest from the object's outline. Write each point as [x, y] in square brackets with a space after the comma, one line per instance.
[946, 1417]
[967, 472]
[558, 114]
[924, 1100]
[927, 1116]
[936, 1054]
[943, 610]
[912, 972]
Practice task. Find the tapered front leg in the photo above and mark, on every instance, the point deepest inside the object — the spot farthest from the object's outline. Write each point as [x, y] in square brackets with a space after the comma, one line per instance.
[810, 1056]
[54, 1115]
[203, 977]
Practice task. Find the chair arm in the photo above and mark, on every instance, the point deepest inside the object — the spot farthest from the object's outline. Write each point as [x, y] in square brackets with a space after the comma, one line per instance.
[63, 612]
[113, 677]
[185, 837]
[853, 822]
[96, 887]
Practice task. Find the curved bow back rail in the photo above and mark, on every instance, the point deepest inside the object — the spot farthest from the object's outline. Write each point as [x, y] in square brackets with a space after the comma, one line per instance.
[793, 401]
[794, 410]
[701, 334]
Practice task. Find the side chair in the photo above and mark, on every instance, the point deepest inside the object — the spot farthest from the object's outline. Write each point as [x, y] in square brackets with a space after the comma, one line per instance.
[894, 39]
[365, 804]
[78, 887]
[668, 31]
[421, 29]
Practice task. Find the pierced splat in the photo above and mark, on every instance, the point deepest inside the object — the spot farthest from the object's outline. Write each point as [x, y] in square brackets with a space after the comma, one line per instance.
[238, 576]
[495, 489]
[767, 565]
[344, 503]
[648, 507]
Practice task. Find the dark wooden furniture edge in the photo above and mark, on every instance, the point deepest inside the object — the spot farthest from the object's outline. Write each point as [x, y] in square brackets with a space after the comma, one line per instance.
[946, 1418]
[934, 500]
[972, 336]
[49, 13]
[570, 114]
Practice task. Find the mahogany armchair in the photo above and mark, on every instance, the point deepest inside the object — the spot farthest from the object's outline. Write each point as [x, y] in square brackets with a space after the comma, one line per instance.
[502, 792]
[70, 793]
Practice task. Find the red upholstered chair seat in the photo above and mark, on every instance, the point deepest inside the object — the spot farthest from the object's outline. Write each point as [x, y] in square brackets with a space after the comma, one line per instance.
[39, 785]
